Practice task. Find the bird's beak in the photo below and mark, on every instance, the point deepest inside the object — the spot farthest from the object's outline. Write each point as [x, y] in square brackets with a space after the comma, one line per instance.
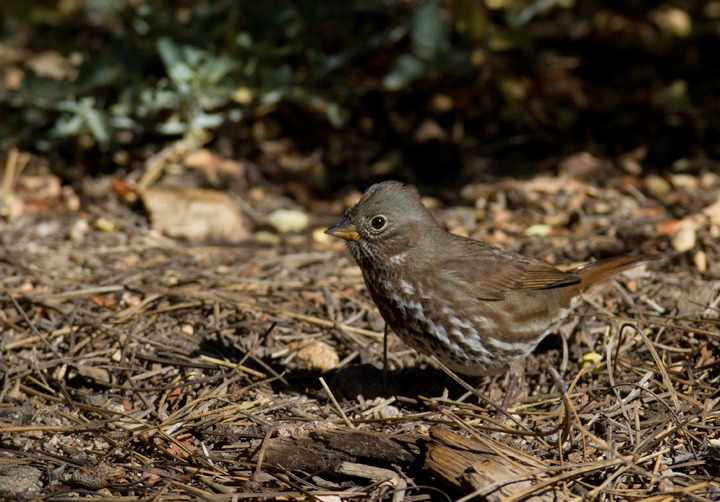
[344, 230]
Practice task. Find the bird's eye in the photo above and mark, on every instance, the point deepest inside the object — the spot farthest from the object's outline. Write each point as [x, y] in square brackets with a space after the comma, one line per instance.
[378, 222]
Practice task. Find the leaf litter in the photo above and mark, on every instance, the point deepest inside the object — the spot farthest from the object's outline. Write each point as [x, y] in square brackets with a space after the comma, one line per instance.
[143, 367]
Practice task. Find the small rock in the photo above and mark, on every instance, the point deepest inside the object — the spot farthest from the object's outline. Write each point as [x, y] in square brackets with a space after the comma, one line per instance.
[19, 482]
[390, 411]
[429, 130]
[195, 214]
[709, 179]
[713, 212]
[105, 225]
[352, 198]
[538, 230]
[46, 229]
[267, 238]
[686, 182]
[442, 103]
[318, 356]
[288, 221]
[78, 230]
[130, 300]
[684, 238]
[673, 21]
[430, 202]
[602, 208]
[583, 164]
[700, 261]
[243, 95]
[321, 237]
[590, 358]
[657, 186]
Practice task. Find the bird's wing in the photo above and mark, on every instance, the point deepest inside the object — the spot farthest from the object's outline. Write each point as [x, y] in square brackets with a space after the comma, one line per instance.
[490, 273]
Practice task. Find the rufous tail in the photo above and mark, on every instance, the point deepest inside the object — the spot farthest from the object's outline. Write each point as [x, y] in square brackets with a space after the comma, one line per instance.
[590, 273]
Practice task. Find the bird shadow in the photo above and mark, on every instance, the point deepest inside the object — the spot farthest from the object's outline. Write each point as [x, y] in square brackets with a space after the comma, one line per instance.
[407, 384]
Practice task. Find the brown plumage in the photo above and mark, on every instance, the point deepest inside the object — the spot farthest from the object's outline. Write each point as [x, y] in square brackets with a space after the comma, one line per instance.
[480, 310]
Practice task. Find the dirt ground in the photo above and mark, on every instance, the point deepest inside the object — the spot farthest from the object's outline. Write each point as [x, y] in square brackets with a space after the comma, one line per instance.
[136, 366]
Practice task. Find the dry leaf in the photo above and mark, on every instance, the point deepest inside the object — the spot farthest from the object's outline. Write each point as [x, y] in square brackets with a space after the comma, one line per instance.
[582, 164]
[209, 162]
[667, 227]
[98, 374]
[195, 214]
[124, 191]
[187, 446]
[104, 301]
[53, 65]
[429, 130]
[173, 396]
[648, 212]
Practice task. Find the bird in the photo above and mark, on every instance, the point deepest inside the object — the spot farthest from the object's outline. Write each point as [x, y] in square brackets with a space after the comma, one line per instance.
[479, 309]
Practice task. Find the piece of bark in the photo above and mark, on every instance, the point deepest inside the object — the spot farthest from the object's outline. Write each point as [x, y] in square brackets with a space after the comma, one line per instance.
[20, 482]
[468, 465]
[376, 474]
[98, 476]
[328, 450]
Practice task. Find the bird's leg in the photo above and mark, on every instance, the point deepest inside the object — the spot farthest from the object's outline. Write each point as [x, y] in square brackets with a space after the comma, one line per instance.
[385, 362]
[508, 396]
[517, 368]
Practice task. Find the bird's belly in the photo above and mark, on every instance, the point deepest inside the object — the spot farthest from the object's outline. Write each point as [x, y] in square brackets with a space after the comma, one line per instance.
[434, 324]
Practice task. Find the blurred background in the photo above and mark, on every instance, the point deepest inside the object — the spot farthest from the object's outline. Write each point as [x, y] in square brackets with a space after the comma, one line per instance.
[323, 94]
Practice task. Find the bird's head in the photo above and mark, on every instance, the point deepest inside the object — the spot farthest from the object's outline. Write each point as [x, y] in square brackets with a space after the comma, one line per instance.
[388, 221]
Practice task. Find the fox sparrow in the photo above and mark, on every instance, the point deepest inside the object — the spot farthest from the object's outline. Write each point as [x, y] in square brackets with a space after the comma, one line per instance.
[480, 310]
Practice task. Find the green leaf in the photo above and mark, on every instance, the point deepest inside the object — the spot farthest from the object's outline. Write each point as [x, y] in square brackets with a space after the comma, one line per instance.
[193, 56]
[181, 73]
[406, 69]
[168, 52]
[67, 126]
[215, 69]
[430, 32]
[208, 121]
[97, 125]
[334, 115]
